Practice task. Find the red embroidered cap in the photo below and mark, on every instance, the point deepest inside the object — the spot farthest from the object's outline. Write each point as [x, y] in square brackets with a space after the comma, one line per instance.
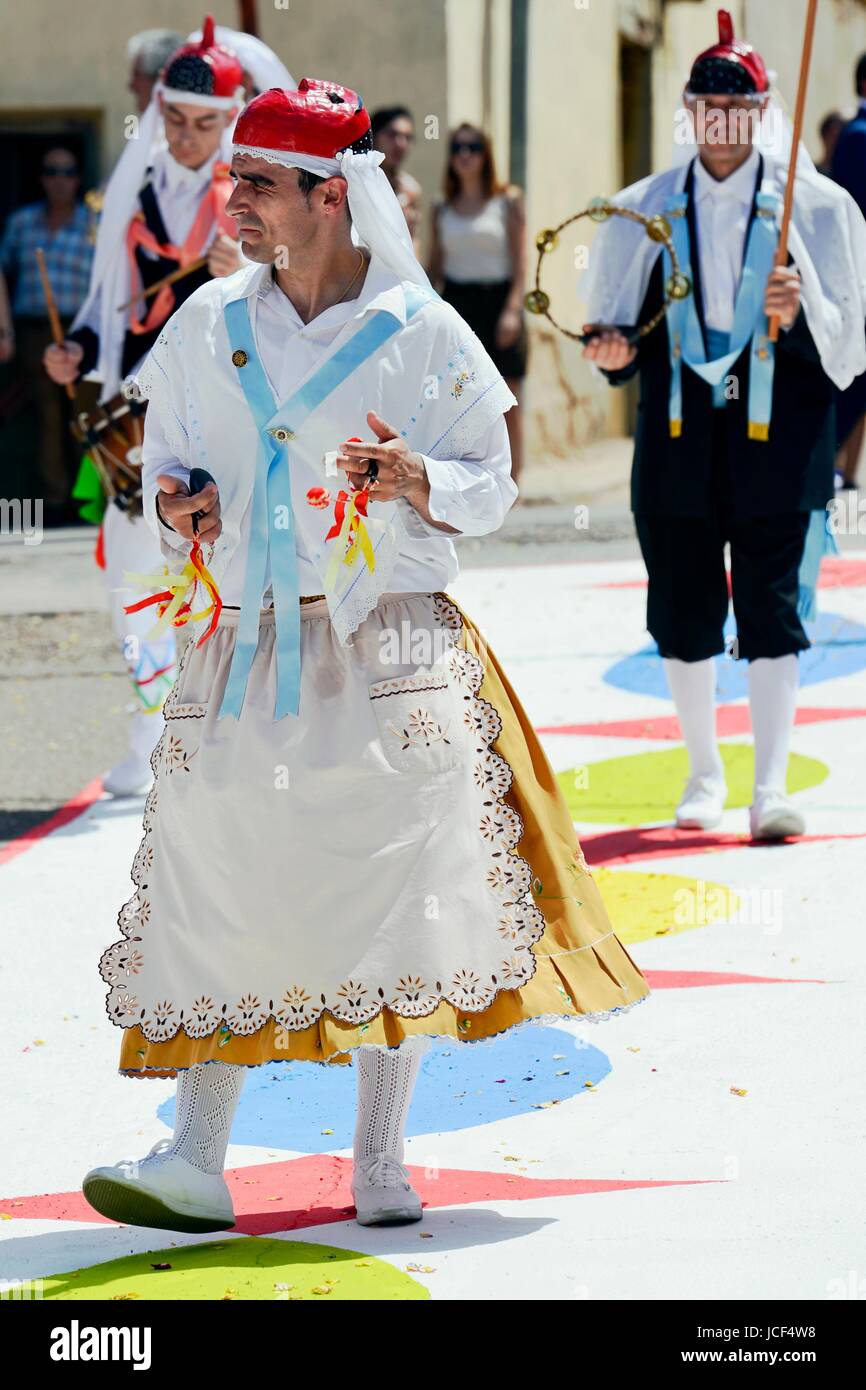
[204, 69]
[320, 118]
[729, 67]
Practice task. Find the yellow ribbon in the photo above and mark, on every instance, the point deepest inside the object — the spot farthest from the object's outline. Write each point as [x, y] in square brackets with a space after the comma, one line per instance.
[345, 553]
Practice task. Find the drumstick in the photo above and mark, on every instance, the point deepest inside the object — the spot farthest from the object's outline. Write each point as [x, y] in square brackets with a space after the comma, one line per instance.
[53, 316]
[166, 280]
[799, 110]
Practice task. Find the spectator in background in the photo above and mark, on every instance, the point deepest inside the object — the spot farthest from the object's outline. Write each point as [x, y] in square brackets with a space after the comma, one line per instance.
[60, 225]
[478, 257]
[393, 131]
[148, 53]
[829, 130]
[848, 167]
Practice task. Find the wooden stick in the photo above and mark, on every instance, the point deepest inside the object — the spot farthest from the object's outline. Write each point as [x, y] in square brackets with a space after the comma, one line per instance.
[799, 112]
[166, 280]
[51, 306]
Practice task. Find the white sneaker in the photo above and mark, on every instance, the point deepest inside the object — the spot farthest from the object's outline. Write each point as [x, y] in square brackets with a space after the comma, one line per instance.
[163, 1190]
[702, 803]
[132, 777]
[383, 1193]
[773, 817]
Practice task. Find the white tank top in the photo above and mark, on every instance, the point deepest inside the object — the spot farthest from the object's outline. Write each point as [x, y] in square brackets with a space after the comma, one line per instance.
[475, 247]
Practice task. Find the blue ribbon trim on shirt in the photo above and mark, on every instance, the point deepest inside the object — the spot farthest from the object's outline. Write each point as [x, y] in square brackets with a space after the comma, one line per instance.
[685, 338]
[272, 527]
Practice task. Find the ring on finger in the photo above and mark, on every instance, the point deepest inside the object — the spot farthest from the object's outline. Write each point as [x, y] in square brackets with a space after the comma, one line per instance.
[372, 470]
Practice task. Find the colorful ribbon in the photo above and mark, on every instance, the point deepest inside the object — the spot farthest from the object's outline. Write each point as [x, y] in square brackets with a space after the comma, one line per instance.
[172, 602]
[351, 533]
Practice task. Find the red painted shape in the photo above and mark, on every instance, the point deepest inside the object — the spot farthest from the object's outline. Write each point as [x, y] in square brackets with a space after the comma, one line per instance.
[666, 841]
[730, 721]
[315, 1190]
[74, 807]
[694, 979]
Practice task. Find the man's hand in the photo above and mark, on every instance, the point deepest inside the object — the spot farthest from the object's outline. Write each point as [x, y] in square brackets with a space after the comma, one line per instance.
[224, 256]
[176, 505]
[61, 362]
[611, 350]
[782, 295]
[507, 328]
[401, 470]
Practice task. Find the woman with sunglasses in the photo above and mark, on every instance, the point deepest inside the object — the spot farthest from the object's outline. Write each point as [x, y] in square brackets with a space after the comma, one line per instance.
[478, 261]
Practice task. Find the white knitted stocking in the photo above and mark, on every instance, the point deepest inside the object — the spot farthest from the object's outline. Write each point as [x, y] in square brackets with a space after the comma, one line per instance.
[386, 1079]
[207, 1096]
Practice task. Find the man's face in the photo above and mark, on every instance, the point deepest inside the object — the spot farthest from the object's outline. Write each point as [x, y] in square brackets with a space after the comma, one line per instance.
[193, 132]
[274, 217]
[142, 86]
[395, 141]
[724, 127]
[59, 177]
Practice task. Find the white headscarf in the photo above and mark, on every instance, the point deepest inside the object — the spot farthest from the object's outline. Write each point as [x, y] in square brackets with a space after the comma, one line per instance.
[378, 221]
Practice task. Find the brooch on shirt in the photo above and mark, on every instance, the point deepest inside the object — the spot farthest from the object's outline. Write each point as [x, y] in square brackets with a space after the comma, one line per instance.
[240, 358]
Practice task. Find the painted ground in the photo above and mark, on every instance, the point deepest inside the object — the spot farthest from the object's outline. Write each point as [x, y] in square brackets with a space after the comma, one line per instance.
[703, 1145]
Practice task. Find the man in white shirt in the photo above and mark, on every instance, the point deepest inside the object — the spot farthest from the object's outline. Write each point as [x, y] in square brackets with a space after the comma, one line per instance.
[735, 438]
[330, 868]
[169, 216]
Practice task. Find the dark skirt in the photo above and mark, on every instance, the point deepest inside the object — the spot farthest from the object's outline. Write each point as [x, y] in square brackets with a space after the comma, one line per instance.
[480, 304]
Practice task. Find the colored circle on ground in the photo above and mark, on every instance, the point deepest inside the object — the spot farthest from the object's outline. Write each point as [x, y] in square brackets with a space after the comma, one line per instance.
[642, 788]
[309, 1108]
[249, 1267]
[838, 649]
[643, 906]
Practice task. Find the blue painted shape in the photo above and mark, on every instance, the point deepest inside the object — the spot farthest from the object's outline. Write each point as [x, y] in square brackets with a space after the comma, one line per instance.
[839, 649]
[287, 1104]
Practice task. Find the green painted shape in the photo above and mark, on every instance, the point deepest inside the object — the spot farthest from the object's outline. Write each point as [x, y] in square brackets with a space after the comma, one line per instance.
[88, 489]
[644, 787]
[245, 1268]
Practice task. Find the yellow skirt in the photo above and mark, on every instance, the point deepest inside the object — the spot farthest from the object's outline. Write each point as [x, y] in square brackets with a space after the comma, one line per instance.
[582, 969]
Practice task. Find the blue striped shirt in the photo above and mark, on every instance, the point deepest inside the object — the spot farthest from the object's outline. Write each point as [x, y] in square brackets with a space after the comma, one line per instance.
[68, 258]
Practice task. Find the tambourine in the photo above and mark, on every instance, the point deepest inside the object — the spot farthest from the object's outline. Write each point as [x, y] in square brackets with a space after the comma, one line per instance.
[657, 228]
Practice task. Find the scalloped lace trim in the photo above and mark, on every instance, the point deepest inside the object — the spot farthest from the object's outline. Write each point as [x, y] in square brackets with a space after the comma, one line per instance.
[509, 879]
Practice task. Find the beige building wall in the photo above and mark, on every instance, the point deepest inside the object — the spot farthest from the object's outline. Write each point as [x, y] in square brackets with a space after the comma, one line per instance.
[450, 60]
[72, 56]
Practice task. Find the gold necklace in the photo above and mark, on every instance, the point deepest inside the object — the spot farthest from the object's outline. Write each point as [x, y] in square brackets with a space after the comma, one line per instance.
[361, 264]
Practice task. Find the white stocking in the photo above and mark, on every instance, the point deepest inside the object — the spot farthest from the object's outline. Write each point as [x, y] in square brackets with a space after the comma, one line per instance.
[386, 1079]
[693, 688]
[773, 683]
[207, 1096]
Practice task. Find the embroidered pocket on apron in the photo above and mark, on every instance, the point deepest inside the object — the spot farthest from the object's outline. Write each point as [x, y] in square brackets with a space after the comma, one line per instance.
[420, 722]
[184, 724]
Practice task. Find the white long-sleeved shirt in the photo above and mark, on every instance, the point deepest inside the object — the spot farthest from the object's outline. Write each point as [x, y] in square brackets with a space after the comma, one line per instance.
[722, 210]
[472, 493]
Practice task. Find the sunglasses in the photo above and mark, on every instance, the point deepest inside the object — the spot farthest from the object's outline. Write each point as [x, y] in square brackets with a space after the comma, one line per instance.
[467, 147]
[59, 171]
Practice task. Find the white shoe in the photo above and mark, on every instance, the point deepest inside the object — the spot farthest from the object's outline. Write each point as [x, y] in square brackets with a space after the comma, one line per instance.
[132, 777]
[772, 817]
[702, 803]
[163, 1190]
[383, 1193]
